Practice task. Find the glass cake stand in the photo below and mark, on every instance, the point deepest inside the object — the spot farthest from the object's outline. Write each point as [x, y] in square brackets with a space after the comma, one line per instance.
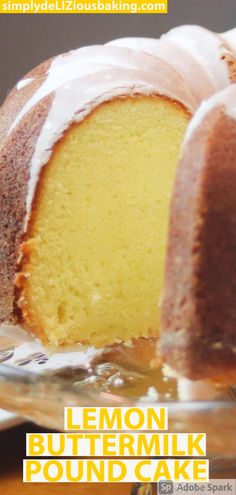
[127, 375]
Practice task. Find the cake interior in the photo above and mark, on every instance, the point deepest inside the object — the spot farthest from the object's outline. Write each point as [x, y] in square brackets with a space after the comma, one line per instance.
[93, 257]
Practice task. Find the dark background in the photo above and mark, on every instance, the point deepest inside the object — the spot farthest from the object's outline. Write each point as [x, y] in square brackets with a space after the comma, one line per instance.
[26, 40]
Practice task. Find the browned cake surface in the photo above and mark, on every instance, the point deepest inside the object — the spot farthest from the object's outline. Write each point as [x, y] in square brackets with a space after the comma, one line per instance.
[16, 152]
[16, 100]
[199, 305]
[231, 64]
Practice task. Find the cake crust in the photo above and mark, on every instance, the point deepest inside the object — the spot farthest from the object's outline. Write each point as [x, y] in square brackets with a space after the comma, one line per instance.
[15, 159]
[198, 324]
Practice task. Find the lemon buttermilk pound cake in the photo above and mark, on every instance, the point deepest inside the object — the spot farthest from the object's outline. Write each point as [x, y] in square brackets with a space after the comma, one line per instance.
[90, 142]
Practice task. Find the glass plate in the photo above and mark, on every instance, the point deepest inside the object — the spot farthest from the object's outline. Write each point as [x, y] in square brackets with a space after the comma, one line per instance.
[121, 375]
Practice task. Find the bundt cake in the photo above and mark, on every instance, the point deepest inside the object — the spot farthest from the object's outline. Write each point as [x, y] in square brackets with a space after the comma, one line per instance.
[90, 142]
[198, 320]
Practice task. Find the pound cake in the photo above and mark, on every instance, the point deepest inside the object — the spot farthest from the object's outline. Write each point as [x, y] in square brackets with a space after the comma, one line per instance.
[198, 321]
[90, 142]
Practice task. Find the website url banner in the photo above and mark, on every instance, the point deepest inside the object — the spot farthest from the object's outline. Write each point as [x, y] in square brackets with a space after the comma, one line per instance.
[83, 7]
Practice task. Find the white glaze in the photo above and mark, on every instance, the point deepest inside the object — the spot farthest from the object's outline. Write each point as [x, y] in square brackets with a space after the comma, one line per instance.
[225, 99]
[90, 60]
[82, 79]
[230, 38]
[205, 47]
[24, 82]
[185, 65]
